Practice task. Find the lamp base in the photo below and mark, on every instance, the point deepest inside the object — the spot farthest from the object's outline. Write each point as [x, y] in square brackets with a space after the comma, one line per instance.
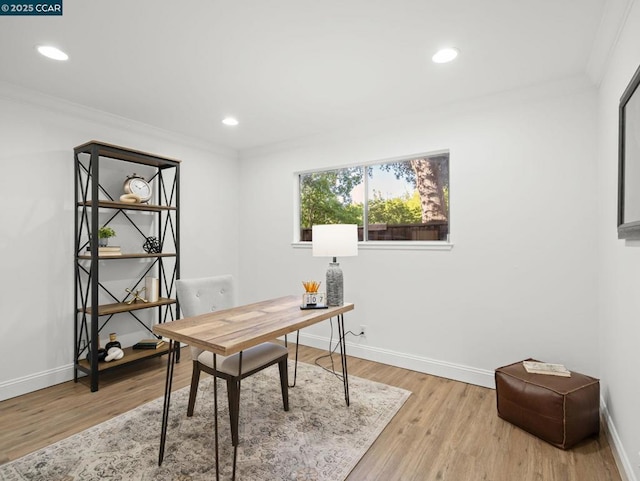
[334, 285]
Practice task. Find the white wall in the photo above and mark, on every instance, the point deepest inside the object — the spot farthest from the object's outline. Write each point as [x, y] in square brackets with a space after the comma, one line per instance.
[520, 280]
[37, 136]
[619, 267]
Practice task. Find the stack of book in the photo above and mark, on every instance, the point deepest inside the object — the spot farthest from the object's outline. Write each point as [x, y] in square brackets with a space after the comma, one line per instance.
[148, 344]
[107, 251]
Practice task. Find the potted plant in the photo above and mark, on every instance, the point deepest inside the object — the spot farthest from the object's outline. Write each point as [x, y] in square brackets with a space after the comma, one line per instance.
[103, 235]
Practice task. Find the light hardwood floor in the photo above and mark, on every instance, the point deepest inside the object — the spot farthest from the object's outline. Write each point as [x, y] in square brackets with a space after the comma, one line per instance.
[446, 430]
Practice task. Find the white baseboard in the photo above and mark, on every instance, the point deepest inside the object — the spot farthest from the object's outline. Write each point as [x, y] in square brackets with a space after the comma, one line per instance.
[33, 382]
[457, 372]
[622, 461]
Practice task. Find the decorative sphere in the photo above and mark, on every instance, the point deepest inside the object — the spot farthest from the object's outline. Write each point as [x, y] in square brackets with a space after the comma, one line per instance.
[152, 245]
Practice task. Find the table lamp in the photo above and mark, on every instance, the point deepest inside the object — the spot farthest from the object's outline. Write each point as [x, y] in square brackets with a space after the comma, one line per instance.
[335, 240]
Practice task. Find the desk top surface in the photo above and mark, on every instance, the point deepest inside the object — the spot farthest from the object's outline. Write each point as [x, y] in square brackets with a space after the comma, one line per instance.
[228, 331]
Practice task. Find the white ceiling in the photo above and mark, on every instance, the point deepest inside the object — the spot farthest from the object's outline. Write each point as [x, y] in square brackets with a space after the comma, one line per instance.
[292, 68]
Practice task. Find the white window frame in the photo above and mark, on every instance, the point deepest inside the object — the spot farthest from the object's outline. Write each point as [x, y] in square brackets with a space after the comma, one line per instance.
[368, 245]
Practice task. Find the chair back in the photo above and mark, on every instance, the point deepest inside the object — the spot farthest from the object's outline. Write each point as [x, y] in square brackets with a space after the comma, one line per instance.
[205, 294]
[202, 295]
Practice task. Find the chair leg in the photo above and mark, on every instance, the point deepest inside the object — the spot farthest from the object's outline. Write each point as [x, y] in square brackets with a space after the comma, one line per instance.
[234, 408]
[284, 382]
[195, 379]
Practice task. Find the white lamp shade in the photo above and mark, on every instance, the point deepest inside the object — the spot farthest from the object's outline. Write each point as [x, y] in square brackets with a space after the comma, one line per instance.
[335, 240]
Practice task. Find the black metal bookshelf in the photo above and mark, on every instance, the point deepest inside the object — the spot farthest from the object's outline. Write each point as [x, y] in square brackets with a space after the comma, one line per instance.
[92, 197]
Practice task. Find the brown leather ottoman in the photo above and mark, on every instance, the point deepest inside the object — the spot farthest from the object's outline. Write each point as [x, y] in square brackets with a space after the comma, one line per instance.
[560, 410]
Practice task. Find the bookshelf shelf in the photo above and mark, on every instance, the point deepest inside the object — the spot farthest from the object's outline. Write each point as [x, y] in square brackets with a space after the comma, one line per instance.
[120, 307]
[130, 355]
[137, 255]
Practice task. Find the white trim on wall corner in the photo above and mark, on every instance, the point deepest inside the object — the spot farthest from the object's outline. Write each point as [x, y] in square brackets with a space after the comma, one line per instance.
[622, 461]
[34, 382]
[611, 26]
[457, 372]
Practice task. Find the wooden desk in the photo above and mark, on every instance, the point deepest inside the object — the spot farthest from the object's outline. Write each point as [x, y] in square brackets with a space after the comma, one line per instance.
[230, 331]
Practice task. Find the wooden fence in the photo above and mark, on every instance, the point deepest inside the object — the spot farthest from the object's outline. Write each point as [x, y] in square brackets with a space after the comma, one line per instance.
[432, 231]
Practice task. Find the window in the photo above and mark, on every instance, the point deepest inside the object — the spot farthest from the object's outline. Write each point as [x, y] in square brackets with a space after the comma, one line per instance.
[400, 200]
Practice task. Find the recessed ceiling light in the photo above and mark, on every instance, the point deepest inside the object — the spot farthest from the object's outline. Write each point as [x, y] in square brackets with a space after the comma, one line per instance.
[230, 121]
[445, 55]
[52, 52]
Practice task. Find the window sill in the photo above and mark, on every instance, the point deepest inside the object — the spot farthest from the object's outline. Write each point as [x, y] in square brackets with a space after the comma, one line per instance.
[391, 245]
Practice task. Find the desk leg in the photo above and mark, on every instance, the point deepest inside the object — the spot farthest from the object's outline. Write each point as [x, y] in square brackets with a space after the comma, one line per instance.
[343, 356]
[295, 366]
[215, 414]
[171, 362]
[236, 419]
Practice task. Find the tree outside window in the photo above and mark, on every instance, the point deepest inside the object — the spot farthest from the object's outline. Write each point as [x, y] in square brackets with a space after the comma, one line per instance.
[403, 200]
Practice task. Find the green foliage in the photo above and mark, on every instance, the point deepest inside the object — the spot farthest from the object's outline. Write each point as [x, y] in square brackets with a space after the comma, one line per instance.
[325, 197]
[397, 210]
[445, 193]
[430, 175]
[106, 232]
[401, 170]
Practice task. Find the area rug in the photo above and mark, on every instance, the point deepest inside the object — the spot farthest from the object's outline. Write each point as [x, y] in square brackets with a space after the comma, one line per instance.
[320, 438]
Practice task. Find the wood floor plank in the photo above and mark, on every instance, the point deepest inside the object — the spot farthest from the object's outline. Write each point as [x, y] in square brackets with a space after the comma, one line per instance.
[446, 431]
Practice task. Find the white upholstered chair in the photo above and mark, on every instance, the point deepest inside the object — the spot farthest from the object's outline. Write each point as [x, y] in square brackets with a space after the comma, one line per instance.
[202, 295]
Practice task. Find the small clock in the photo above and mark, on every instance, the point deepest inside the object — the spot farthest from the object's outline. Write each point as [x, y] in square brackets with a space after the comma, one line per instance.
[313, 300]
[136, 184]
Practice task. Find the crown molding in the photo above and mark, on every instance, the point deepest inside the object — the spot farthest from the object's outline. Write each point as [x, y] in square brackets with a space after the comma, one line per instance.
[563, 87]
[15, 93]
